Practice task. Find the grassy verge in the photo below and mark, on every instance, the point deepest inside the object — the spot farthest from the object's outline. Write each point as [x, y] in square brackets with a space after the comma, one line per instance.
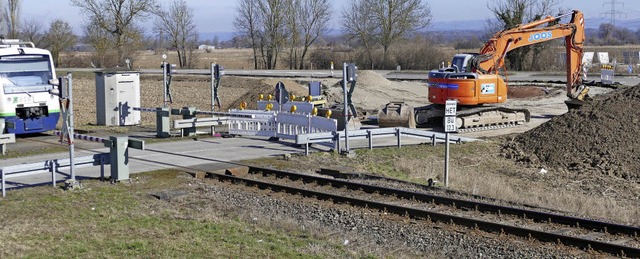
[124, 220]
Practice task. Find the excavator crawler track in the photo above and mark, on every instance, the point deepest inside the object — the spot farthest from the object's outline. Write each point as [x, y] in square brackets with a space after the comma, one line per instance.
[474, 118]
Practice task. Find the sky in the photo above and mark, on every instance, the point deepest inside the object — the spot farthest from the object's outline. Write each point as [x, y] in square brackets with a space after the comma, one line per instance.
[213, 16]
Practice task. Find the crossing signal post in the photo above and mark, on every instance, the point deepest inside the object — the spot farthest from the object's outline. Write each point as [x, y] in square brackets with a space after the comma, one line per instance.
[167, 75]
[349, 75]
[217, 71]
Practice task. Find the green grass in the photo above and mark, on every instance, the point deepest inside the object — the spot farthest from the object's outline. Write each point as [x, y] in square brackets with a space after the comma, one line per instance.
[124, 220]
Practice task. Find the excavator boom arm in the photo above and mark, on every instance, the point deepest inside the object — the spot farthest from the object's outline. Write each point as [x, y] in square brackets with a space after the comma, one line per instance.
[491, 57]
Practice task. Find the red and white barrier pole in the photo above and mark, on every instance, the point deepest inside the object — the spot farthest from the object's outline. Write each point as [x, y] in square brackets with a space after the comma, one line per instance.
[85, 137]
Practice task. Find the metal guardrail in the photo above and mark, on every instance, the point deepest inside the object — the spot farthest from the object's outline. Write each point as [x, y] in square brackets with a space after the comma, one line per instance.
[53, 167]
[191, 124]
[333, 138]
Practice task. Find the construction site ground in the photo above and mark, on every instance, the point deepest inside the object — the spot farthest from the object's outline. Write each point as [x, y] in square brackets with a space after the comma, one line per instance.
[566, 165]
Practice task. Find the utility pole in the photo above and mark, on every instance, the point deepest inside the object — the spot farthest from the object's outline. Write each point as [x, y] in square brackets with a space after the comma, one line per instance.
[613, 13]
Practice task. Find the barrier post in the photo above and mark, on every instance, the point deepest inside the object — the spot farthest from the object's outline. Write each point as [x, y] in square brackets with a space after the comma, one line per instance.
[162, 122]
[119, 158]
[188, 113]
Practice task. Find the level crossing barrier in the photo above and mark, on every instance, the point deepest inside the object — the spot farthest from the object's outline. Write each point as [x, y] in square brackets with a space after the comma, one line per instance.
[189, 122]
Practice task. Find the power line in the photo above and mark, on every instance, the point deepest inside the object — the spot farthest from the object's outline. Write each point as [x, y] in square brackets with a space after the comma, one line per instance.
[613, 13]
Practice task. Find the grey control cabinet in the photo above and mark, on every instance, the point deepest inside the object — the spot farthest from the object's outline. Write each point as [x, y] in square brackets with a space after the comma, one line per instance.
[117, 92]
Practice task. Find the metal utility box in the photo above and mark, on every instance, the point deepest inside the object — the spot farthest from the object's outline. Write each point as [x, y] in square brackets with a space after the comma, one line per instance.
[117, 92]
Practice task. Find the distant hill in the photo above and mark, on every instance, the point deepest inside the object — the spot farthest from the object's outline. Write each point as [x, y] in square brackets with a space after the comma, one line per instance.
[470, 25]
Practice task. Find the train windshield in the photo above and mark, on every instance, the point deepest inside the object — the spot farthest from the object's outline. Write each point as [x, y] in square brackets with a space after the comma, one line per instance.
[25, 73]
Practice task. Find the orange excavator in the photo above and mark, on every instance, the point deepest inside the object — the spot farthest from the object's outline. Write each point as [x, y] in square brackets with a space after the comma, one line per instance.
[473, 80]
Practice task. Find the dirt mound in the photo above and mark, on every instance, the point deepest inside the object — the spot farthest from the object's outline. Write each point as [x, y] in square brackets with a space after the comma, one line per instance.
[601, 137]
[373, 91]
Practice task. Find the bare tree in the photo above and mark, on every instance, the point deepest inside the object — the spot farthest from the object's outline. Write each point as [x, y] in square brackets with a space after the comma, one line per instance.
[177, 23]
[118, 18]
[293, 31]
[12, 17]
[273, 25]
[385, 22]
[101, 40]
[360, 25]
[511, 13]
[59, 37]
[247, 23]
[31, 30]
[272, 37]
[313, 16]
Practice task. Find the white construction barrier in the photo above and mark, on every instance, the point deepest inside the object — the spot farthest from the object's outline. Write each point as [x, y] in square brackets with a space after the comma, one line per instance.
[280, 124]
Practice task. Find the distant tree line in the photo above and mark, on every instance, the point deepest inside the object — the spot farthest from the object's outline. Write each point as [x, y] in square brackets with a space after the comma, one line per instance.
[294, 34]
[608, 34]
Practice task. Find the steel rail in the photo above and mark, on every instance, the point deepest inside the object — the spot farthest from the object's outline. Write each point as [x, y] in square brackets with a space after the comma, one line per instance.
[583, 243]
[538, 216]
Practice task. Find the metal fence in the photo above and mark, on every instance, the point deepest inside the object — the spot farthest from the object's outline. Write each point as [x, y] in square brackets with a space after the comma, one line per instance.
[278, 124]
[332, 139]
[51, 166]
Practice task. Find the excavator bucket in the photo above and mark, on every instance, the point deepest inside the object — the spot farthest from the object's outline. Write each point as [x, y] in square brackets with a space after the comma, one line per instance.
[397, 114]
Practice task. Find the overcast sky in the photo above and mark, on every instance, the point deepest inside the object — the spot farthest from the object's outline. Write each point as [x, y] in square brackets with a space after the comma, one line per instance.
[218, 15]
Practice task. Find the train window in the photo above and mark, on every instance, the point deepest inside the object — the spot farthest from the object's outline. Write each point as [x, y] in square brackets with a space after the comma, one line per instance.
[25, 74]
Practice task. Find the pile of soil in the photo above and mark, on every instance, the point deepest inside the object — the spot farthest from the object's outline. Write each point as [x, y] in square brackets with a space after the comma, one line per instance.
[601, 137]
[522, 92]
[373, 91]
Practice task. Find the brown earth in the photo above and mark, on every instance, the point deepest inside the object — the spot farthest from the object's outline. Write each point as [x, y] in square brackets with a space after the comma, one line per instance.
[518, 92]
[601, 137]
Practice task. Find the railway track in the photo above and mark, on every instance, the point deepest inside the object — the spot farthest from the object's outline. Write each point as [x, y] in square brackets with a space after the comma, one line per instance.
[586, 234]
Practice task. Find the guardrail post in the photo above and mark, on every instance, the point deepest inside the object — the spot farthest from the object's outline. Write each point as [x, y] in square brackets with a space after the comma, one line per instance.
[102, 167]
[54, 169]
[336, 138]
[4, 192]
[399, 134]
[162, 123]
[370, 137]
[433, 140]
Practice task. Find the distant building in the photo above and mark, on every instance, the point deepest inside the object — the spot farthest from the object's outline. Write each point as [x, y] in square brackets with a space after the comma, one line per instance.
[206, 47]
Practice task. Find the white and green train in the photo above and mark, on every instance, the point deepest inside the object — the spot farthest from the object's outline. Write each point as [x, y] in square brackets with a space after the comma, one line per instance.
[26, 103]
